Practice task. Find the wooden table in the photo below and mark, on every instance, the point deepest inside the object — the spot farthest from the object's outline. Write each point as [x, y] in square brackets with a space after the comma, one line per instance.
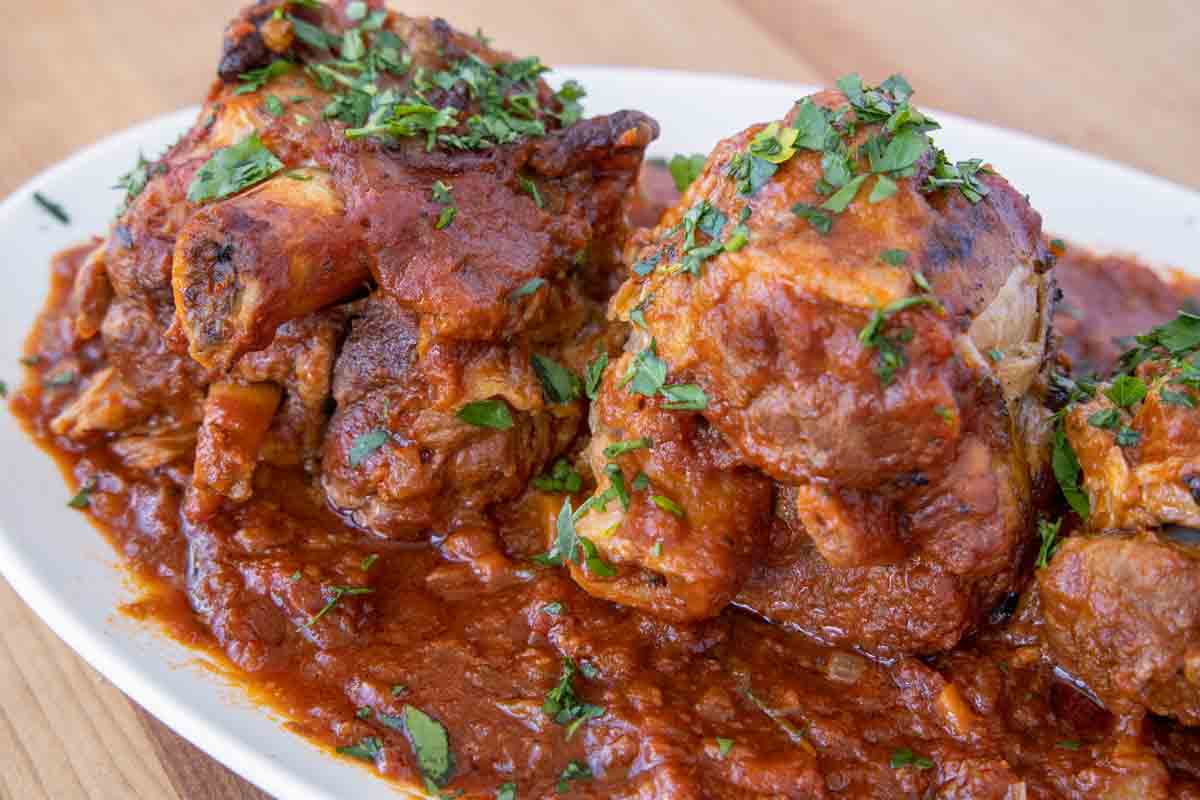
[1113, 77]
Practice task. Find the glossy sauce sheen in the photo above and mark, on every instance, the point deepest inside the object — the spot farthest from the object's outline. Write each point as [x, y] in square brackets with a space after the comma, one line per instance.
[476, 638]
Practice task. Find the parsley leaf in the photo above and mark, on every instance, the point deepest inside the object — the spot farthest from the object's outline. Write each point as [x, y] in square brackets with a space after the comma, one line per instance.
[1128, 437]
[565, 706]
[559, 384]
[368, 749]
[365, 444]
[52, 208]
[1067, 472]
[232, 169]
[1048, 531]
[491, 413]
[83, 498]
[594, 375]
[1108, 419]
[1181, 399]
[821, 222]
[685, 169]
[255, 79]
[724, 746]
[528, 288]
[648, 373]
[894, 257]
[562, 478]
[1126, 391]
[575, 771]
[685, 397]
[668, 505]
[904, 757]
[507, 791]
[430, 744]
[618, 449]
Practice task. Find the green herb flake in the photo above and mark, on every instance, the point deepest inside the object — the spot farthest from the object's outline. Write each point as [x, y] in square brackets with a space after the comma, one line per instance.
[724, 746]
[894, 257]
[295, 576]
[368, 562]
[431, 745]
[1107, 419]
[52, 208]
[561, 479]
[528, 288]
[506, 791]
[363, 713]
[685, 169]
[667, 504]
[684, 397]
[575, 771]
[398, 689]
[553, 609]
[820, 221]
[338, 592]
[64, 378]
[83, 498]
[530, 188]
[365, 444]
[904, 757]
[232, 169]
[641, 482]
[273, 106]
[996, 355]
[1180, 399]
[256, 79]
[594, 375]
[1067, 472]
[647, 374]
[618, 449]
[1069, 744]
[356, 11]
[492, 413]
[1128, 437]
[445, 217]
[368, 749]
[1048, 532]
[564, 705]
[559, 384]
[1126, 391]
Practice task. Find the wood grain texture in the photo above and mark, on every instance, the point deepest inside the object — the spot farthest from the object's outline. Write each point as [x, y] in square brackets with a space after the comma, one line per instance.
[1116, 78]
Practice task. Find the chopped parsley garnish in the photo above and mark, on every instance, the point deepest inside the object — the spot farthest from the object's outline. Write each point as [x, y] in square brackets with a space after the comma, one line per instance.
[1107, 419]
[368, 562]
[684, 397]
[616, 480]
[640, 482]
[29, 361]
[431, 745]
[1126, 391]
[1069, 744]
[894, 257]
[232, 169]
[946, 414]
[618, 449]
[904, 757]
[553, 609]
[724, 746]
[52, 208]
[1048, 532]
[570, 546]
[565, 706]
[368, 749]
[1058, 244]
[492, 413]
[685, 169]
[273, 106]
[1068, 472]
[134, 181]
[594, 374]
[820, 221]
[529, 287]
[559, 384]
[530, 188]
[562, 479]
[1181, 399]
[891, 355]
[295, 576]
[667, 504]
[575, 771]
[363, 713]
[441, 196]
[338, 593]
[1128, 437]
[3, 389]
[64, 378]
[365, 444]
[657, 549]
[647, 374]
[255, 79]
[507, 791]
[83, 498]
[398, 689]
